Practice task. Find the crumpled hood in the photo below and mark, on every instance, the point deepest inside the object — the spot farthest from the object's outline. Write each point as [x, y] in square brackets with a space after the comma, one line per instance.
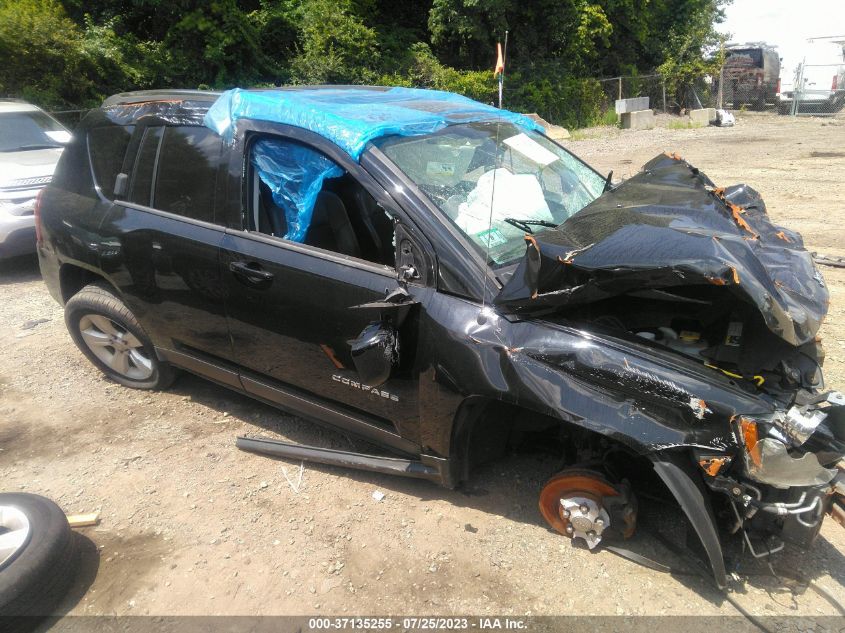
[669, 226]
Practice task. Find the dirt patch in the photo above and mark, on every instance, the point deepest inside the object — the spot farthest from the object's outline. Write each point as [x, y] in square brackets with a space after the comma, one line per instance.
[827, 154]
[192, 526]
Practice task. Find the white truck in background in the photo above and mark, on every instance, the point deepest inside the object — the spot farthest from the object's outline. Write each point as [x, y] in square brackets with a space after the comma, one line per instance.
[818, 78]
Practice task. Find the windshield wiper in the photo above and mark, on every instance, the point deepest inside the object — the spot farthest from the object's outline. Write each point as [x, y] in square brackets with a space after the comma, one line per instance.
[31, 146]
[608, 181]
[525, 225]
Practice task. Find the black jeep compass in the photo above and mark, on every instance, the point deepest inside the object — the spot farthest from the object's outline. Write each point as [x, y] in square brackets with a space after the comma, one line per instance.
[440, 278]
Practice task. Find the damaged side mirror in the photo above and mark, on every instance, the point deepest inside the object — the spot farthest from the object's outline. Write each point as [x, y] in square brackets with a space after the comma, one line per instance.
[375, 352]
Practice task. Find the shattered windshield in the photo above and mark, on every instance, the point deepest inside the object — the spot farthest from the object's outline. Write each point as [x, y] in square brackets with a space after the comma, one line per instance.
[530, 183]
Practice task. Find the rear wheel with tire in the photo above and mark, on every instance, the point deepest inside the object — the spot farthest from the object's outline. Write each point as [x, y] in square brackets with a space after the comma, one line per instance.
[107, 332]
[37, 555]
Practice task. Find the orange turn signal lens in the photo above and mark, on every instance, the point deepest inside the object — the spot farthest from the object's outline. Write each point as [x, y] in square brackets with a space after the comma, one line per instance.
[750, 437]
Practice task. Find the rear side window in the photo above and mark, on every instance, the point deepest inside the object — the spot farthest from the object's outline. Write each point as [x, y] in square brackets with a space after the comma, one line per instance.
[106, 149]
[187, 170]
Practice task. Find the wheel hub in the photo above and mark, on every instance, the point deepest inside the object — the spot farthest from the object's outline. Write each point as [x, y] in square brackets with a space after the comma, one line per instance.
[115, 346]
[14, 532]
[577, 504]
[587, 519]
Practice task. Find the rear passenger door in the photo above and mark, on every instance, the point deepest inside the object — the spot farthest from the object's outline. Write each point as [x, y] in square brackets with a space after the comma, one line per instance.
[166, 243]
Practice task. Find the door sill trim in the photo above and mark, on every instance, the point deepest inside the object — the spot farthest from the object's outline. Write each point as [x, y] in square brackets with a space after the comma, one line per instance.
[428, 468]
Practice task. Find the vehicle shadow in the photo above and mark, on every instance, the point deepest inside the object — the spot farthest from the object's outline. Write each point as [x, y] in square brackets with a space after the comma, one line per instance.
[19, 270]
[509, 488]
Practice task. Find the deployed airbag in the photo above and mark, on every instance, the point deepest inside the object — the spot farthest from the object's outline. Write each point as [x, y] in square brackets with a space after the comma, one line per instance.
[510, 195]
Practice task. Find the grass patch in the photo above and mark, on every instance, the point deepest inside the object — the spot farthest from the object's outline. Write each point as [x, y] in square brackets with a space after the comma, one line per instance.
[609, 117]
[683, 125]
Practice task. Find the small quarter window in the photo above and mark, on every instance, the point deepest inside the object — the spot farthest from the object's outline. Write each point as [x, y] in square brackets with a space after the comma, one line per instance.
[141, 186]
[107, 148]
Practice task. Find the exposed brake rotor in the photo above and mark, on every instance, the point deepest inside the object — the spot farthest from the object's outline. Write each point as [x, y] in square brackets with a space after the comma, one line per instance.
[581, 503]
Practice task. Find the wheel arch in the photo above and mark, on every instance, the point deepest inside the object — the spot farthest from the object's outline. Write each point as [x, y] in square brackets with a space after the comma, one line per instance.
[74, 277]
[674, 468]
[483, 426]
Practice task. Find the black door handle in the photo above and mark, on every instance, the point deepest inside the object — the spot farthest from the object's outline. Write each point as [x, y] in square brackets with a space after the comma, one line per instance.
[251, 271]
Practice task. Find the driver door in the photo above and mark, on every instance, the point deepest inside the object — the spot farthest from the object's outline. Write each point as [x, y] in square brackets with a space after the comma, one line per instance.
[295, 308]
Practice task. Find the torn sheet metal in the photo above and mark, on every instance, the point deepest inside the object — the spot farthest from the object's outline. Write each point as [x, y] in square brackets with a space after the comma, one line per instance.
[351, 117]
[666, 227]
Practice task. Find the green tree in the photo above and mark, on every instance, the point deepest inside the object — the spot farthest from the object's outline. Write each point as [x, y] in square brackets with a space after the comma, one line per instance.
[42, 53]
[335, 44]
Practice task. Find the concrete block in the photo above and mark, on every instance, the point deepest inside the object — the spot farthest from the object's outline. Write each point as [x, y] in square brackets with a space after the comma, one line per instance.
[702, 116]
[631, 105]
[640, 120]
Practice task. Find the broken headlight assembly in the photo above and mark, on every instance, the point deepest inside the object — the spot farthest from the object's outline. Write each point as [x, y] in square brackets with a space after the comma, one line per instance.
[797, 447]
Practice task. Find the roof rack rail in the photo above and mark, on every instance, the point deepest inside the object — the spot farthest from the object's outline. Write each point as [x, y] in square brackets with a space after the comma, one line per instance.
[142, 96]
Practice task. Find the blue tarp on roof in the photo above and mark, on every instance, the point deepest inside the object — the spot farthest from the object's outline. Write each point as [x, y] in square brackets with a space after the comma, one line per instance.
[352, 117]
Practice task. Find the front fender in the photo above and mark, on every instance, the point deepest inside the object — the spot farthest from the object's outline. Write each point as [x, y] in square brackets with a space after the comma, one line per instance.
[685, 484]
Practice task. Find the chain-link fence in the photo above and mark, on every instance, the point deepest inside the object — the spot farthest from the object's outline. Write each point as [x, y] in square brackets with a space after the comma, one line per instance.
[668, 94]
[68, 118]
[816, 89]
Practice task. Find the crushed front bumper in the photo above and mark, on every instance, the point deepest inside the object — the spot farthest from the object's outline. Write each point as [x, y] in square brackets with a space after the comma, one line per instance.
[791, 473]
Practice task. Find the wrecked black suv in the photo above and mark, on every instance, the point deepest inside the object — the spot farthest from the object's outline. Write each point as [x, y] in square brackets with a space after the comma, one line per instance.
[438, 277]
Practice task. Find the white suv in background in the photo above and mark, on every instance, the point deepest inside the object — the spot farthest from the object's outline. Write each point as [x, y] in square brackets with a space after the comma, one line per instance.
[31, 142]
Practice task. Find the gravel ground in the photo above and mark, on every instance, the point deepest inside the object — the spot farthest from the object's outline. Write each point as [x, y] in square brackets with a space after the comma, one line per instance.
[190, 525]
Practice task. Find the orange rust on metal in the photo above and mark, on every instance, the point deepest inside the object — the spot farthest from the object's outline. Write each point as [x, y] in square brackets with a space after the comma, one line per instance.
[577, 484]
[139, 103]
[783, 236]
[328, 351]
[713, 465]
[673, 155]
[564, 261]
[740, 221]
[735, 275]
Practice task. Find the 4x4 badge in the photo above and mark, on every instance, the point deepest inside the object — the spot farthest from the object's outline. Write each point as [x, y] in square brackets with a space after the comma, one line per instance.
[359, 385]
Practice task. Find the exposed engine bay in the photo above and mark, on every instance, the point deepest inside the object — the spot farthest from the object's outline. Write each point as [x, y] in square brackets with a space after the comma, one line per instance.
[709, 325]
[668, 261]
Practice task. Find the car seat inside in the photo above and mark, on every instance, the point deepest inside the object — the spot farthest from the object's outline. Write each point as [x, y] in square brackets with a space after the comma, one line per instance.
[345, 219]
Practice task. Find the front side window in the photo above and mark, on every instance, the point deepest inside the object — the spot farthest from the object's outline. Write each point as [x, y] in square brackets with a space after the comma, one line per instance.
[296, 193]
[496, 182]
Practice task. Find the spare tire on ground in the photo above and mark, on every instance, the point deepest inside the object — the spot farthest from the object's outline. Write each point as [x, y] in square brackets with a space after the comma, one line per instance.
[37, 555]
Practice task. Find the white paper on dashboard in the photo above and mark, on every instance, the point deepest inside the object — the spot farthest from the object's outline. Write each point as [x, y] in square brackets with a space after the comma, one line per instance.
[531, 149]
